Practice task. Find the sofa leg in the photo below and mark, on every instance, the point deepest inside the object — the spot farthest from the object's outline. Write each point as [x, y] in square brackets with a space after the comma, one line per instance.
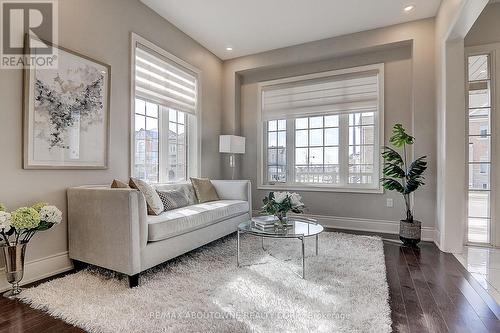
[133, 281]
[79, 265]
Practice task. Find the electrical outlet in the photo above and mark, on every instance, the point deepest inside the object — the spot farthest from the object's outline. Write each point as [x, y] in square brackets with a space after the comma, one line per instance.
[390, 202]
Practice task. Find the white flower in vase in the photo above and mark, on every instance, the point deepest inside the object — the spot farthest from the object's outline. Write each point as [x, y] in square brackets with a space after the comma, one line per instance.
[279, 197]
[296, 200]
[5, 220]
[51, 214]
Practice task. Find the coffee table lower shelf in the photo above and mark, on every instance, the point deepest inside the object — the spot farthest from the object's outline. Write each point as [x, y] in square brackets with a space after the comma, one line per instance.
[302, 229]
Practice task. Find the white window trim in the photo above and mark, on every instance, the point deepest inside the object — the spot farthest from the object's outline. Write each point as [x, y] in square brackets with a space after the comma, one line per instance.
[194, 136]
[379, 136]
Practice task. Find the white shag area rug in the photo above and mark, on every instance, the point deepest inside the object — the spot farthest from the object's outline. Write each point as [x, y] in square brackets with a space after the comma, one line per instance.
[345, 290]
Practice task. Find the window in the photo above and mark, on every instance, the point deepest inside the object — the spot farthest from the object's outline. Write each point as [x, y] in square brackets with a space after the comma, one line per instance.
[146, 164]
[317, 150]
[165, 140]
[177, 146]
[323, 131]
[276, 149]
[479, 156]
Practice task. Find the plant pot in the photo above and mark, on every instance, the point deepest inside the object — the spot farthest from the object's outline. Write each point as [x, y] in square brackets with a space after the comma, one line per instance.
[410, 232]
[14, 267]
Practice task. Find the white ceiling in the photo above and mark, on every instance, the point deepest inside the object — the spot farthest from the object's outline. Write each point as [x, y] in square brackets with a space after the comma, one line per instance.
[252, 26]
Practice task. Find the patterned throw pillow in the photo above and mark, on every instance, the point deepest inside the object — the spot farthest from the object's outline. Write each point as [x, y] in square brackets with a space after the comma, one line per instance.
[155, 206]
[173, 199]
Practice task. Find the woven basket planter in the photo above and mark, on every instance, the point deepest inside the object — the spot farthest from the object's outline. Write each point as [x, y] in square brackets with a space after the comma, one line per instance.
[410, 233]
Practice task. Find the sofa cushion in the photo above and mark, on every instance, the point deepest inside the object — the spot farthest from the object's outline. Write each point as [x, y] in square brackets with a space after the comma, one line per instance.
[182, 220]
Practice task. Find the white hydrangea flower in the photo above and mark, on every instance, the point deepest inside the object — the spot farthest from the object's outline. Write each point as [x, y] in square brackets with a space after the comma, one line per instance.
[5, 220]
[51, 214]
[279, 197]
[296, 200]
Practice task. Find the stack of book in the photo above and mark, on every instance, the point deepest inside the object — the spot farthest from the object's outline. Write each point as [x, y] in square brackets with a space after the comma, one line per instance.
[264, 222]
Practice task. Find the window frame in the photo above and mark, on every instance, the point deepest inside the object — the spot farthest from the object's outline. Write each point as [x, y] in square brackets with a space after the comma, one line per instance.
[193, 133]
[489, 50]
[343, 185]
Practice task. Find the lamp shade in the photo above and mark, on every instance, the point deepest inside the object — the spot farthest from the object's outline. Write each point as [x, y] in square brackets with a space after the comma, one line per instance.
[231, 144]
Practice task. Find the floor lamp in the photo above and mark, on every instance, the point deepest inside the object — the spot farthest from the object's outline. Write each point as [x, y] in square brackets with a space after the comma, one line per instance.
[232, 144]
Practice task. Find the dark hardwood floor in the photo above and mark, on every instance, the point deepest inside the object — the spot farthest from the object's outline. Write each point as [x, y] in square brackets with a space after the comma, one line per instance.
[430, 291]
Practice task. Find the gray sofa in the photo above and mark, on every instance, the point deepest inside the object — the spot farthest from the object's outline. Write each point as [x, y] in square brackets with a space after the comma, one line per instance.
[110, 228]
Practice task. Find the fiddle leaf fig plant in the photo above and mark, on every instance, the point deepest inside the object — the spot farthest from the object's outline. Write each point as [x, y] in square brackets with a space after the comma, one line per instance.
[399, 174]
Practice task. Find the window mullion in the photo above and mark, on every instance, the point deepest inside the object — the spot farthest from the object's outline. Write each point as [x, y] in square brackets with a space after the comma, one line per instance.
[344, 149]
[163, 144]
[290, 151]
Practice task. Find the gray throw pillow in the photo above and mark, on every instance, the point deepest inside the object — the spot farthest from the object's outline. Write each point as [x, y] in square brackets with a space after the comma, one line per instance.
[173, 199]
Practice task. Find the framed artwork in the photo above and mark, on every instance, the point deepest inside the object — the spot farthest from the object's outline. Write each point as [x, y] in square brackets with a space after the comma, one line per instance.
[66, 113]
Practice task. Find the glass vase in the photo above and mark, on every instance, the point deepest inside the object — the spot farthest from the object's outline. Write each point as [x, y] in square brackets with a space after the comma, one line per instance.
[14, 266]
[282, 222]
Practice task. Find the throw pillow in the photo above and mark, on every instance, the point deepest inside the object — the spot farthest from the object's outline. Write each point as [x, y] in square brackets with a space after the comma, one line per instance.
[204, 189]
[155, 206]
[173, 199]
[118, 184]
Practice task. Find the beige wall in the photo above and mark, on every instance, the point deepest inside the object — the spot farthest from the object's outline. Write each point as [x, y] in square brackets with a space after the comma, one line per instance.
[408, 52]
[100, 29]
[486, 29]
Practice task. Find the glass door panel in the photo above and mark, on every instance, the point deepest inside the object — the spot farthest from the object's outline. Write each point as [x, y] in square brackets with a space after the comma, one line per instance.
[479, 134]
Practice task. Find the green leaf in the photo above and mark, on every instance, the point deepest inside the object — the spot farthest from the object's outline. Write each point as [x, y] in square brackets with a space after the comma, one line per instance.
[394, 171]
[418, 167]
[10, 232]
[392, 185]
[44, 226]
[412, 185]
[390, 155]
[399, 136]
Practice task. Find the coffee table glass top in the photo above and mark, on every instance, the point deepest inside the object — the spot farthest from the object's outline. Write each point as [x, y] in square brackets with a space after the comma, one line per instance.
[298, 228]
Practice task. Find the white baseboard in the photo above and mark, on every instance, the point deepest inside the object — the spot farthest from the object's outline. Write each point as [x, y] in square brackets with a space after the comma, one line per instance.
[39, 269]
[437, 239]
[360, 224]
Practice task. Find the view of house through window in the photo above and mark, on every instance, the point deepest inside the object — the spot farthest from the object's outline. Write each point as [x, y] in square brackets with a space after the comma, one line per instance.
[146, 164]
[148, 120]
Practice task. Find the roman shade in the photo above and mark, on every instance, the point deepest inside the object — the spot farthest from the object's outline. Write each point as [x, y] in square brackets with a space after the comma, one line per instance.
[163, 81]
[323, 94]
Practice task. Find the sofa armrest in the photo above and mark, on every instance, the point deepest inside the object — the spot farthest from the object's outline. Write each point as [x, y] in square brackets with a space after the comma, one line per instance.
[107, 227]
[234, 190]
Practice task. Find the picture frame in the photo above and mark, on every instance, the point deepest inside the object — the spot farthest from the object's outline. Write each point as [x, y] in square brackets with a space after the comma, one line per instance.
[66, 112]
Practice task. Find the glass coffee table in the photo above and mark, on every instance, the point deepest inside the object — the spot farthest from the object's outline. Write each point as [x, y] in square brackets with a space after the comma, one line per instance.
[301, 228]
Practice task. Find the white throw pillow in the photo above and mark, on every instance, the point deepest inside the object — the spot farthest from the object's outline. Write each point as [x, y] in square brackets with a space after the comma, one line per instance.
[155, 206]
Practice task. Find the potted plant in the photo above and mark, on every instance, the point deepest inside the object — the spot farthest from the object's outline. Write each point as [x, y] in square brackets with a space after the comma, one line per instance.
[16, 230]
[280, 203]
[404, 178]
